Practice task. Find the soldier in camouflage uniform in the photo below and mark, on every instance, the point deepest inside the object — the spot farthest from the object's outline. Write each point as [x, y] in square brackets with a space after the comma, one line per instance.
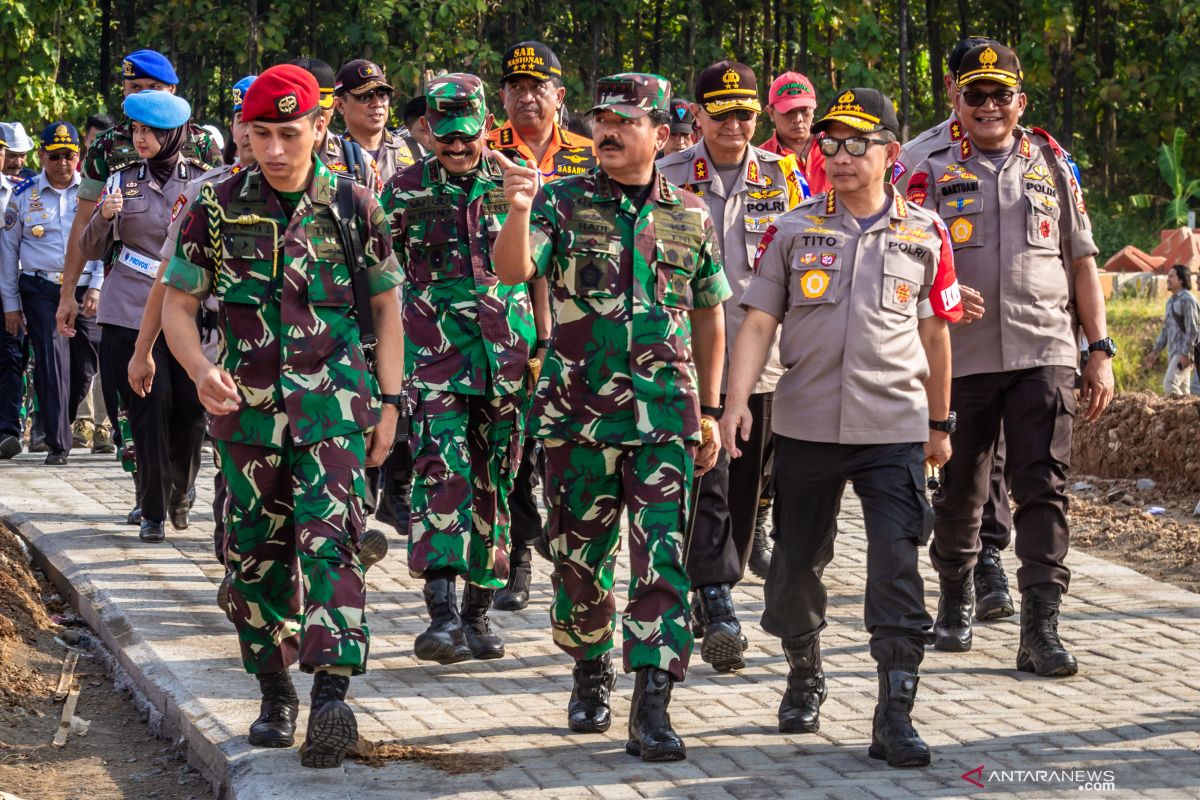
[467, 349]
[633, 267]
[292, 402]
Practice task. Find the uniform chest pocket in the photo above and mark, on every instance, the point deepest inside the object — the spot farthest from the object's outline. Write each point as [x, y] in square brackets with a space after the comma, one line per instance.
[243, 282]
[1042, 221]
[902, 278]
[814, 278]
[593, 268]
[330, 283]
[434, 253]
[135, 204]
[962, 214]
[675, 268]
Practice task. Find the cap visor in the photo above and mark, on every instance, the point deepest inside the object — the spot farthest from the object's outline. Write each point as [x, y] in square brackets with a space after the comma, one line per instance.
[326, 98]
[858, 123]
[682, 127]
[541, 76]
[444, 126]
[1004, 78]
[725, 106]
[787, 103]
[369, 85]
[53, 147]
[622, 110]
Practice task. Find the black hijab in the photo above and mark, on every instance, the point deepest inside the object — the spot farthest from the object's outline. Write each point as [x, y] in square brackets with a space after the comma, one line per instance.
[171, 142]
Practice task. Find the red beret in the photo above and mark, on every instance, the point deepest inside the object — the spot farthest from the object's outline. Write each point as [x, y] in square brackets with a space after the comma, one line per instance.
[281, 94]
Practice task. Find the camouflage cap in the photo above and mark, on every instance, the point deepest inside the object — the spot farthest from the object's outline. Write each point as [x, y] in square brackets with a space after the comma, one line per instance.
[455, 103]
[632, 94]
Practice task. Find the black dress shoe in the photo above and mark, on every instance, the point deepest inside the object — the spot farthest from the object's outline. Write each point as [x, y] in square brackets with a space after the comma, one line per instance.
[9, 446]
[180, 509]
[56, 458]
[134, 517]
[151, 531]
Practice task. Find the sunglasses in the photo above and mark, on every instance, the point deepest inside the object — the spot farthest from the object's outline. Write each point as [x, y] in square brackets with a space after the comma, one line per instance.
[372, 96]
[855, 145]
[1001, 97]
[457, 136]
[61, 156]
[741, 114]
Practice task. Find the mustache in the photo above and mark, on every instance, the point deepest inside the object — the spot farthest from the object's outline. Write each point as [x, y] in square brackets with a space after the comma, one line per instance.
[608, 141]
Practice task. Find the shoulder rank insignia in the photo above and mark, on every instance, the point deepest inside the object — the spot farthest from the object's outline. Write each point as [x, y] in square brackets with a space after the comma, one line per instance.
[700, 170]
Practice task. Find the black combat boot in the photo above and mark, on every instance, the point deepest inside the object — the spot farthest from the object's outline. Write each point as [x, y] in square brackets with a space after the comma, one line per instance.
[515, 595]
[992, 600]
[892, 735]
[372, 547]
[1041, 651]
[444, 640]
[483, 642]
[952, 628]
[722, 645]
[276, 723]
[650, 733]
[589, 711]
[760, 551]
[332, 729]
[180, 509]
[697, 616]
[800, 711]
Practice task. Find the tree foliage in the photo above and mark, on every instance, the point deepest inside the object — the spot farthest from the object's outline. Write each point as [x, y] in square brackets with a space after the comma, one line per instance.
[1112, 79]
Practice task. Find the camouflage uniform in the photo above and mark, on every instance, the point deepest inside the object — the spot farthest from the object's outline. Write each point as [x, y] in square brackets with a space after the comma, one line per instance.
[293, 452]
[617, 406]
[113, 151]
[467, 343]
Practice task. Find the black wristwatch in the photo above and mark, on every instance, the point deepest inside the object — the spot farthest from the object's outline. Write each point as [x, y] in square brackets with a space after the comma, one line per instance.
[396, 400]
[1105, 345]
[712, 411]
[542, 344]
[947, 425]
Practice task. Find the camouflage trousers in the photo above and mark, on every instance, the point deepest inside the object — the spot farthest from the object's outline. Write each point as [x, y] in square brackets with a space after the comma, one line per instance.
[466, 450]
[293, 518]
[588, 485]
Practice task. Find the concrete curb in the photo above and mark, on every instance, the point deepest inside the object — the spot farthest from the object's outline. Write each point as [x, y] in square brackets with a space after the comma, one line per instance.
[181, 717]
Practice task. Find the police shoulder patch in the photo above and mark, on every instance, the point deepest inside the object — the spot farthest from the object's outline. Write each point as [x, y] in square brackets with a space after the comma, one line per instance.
[10, 218]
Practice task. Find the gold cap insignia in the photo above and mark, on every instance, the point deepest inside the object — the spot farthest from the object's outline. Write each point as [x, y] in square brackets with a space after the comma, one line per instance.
[846, 98]
[237, 96]
[988, 58]
[367, 71]
[61, 134]
[287, 104]
[731, 79]
[127, 68]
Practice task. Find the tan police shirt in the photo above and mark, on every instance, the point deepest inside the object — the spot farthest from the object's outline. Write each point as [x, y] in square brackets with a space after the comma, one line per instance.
[765, 187]
[918, 148]
[850, 301]
[1015, 231]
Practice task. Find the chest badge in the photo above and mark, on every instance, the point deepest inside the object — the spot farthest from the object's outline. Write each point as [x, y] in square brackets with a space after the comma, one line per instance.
[589, 276]
[903, 293]
[38, 231]
[827, 259]
[961, 230]
[814, 283]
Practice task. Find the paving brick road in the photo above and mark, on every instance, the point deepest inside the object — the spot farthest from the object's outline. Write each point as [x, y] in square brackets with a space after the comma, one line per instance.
[1131, 718]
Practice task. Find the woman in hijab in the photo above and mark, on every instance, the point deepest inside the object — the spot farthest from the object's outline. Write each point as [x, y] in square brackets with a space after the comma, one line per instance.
[128, 229]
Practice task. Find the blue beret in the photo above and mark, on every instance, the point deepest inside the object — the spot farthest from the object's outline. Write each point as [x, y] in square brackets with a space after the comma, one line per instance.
[148, 64]
[60, 135]
[158, 109]
[239, 91]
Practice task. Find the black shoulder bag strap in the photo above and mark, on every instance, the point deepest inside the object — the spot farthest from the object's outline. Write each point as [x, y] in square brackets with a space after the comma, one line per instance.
[357, 261]
[1064, 230]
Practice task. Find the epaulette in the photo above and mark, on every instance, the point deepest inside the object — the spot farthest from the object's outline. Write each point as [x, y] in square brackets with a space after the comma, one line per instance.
[767, 155]
[679, 157]
[23, 185]
[1054, 145]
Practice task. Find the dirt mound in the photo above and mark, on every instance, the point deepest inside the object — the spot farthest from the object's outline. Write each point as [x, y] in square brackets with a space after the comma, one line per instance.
[22, 613]
[1142, 435]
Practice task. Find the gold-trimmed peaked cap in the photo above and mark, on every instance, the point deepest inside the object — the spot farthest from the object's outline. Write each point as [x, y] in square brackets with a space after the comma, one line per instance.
[866, 110]
[990, 62]
[728, 86]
